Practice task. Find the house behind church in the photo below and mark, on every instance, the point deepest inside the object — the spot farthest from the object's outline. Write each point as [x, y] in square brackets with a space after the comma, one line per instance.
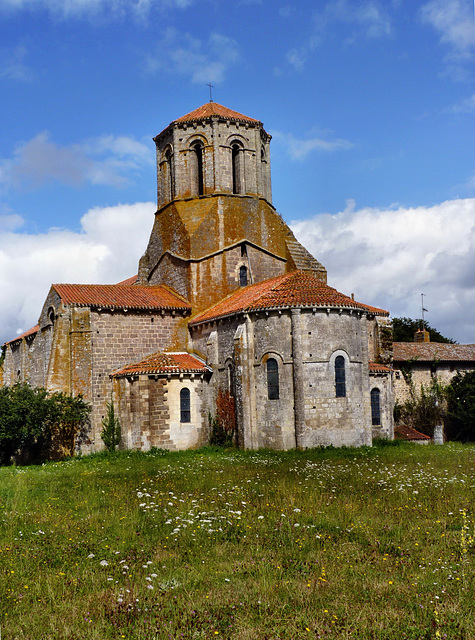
[225, 298]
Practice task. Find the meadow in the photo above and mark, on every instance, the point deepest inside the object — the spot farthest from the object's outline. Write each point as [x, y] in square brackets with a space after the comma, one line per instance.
[330, 543]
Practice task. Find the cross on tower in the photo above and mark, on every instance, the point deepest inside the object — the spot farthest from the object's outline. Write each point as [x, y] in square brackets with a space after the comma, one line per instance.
[210, 87]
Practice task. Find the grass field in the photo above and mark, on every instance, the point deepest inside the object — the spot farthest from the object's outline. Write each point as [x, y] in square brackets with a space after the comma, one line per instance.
[331, 543]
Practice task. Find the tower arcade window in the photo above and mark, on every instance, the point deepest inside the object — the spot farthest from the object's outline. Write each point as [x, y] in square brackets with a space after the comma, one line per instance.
[375, 407]
[185, 405]
[340, 377]
[243, 276]
[236, 154]
[197, 168]
[169, 174]
[272, 379]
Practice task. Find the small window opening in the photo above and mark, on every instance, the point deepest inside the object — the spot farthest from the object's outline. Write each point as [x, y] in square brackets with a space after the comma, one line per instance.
[169, 176]
[243, 250]
[236, 152]
[231, 380]
[243, 276]
[340, 377]
[197, 148]
[185, 406]
[272, 379]
[375, 407]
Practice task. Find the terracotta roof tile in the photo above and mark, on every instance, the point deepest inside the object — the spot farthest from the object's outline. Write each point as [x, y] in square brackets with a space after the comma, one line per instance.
[295, 289]
[375, 367]
[131, 280]
[402, 432]
[26, 334]
[430, 351]
[118, 296]
[214, 109]
[164, 363]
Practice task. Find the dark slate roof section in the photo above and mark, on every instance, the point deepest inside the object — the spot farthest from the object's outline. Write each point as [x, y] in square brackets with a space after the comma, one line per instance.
[164, 363]
[402, 432]
[431, 351]
[295, 289]
[26, 334]
[118, 296]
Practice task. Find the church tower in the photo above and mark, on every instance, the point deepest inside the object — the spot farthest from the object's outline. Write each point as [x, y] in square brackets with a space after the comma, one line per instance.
[215, 227]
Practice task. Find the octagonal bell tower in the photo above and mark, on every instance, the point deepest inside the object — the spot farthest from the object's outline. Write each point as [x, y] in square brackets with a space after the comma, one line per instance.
[213, 150]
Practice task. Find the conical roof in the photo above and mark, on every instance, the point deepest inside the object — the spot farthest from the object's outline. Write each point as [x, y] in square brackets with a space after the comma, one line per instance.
[215, 109]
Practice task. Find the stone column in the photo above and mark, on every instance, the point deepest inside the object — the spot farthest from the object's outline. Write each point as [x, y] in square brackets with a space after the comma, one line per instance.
[297, 359]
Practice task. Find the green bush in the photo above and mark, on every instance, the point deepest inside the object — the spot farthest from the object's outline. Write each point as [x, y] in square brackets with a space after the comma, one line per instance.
[460, 422]
[111, 431]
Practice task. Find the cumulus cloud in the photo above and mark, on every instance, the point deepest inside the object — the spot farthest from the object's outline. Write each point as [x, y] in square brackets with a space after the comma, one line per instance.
[106, 250]
[465, 106]
[453, 20]
[12, 65]
[182, 54]
[90, 8]
[389, 257]
[106, 160]
[299, 148]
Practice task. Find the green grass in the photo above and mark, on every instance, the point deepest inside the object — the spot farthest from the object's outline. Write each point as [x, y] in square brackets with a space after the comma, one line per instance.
[332, 543]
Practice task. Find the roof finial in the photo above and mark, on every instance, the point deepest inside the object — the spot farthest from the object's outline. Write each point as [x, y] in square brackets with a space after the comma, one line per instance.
[210, 95]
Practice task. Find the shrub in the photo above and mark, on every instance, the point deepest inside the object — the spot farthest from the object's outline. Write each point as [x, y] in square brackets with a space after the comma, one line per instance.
[460, 422]
[111, 431]
[223, 426]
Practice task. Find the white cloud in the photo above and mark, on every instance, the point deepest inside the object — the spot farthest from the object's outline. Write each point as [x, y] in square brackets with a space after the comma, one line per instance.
[299, 149]
[185, 55]
[106, 160]
[369, 18]
[106, 250]
[87, 8]
[454, 21]
[12, 66]
[389, 257]
[465, 106]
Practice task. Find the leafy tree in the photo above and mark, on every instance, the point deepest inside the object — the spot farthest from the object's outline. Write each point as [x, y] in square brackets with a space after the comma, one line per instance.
[111, 431]
[460, 422]
[424, 410]
[405, 328]
[38, 425]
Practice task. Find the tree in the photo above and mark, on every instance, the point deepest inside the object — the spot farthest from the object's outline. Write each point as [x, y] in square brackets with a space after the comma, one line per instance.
[111, 431]
[404, 330]
[425, 410]
[36, 425]
[460, 422]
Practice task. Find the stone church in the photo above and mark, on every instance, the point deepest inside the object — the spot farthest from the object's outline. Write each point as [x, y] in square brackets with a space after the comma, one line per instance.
[225, 299]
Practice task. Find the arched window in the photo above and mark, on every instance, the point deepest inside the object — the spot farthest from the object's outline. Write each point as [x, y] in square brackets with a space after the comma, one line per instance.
[375, 407]
[272, 379]
[185, 405]
[340, 377]
[230, 370]
[197, 168]
[169, 175]
[243, 276]
[236, 152]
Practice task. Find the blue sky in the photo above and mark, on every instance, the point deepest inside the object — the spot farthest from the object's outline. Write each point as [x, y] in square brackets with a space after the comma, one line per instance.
[371, 105]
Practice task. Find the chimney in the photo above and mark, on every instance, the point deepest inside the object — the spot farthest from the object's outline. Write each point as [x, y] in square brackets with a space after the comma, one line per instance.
[421, 335]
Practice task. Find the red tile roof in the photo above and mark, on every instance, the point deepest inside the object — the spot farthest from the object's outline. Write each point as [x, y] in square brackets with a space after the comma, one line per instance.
[215, 109]
[402, 432]
[118, 296]
[375, 367]
[26, 334]
[430, 351]
[131, 280]
[295, 289]
[164, 363]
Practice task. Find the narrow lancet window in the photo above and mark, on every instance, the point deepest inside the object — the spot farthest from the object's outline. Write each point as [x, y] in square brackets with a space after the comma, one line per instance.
[340, 377]
[236, 151]
[375, 407]
[198, 182]
[185, 406]
[272, 379]
[243, 276]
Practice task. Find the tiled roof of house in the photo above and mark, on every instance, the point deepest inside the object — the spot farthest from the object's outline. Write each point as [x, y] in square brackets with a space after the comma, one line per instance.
[131, 280]
[26, 334]
[402, 432]
[375, 367]
[295, 289]
[215, 109]
[118, 296]
[430, 351]
[164, 363]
